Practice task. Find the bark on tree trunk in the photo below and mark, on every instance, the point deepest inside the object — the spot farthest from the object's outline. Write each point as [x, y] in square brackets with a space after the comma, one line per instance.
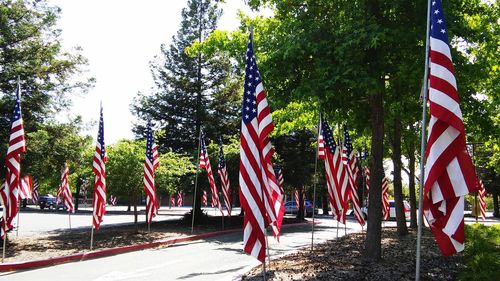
[136, 214]
[373, 231]
[402, 230]
[300, 214]
[495, 206]
[326, 204]
[413, 197]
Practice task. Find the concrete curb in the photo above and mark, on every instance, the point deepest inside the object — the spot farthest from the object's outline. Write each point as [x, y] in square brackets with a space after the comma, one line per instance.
[12, 266]
[107, 252]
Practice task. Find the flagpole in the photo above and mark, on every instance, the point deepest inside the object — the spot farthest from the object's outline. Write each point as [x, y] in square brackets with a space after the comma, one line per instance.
[18, 214]
[314, 183]
[91, 237]
[423, 143]
[196, 182]
[69, 218]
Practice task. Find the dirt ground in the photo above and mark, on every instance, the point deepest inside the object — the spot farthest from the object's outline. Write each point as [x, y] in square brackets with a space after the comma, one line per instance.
[341, 259]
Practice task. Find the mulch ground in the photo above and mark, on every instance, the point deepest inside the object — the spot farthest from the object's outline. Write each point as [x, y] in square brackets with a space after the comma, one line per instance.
[342, 259]
[65, 242]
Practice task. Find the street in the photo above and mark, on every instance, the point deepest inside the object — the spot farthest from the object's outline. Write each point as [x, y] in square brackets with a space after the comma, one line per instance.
[218, 258]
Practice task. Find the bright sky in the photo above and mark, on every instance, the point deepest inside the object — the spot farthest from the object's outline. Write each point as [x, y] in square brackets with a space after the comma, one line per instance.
[119, 38]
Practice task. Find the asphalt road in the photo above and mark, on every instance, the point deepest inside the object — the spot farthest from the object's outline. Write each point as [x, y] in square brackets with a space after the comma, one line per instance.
[219, 258]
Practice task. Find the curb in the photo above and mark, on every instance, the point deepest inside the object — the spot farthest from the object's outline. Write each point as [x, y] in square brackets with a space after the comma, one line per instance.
[13, 266]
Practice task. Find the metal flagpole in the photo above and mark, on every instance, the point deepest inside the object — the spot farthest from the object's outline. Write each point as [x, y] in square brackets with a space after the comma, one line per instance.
[196, 182]
[422, 144]
[268, 251]
[18, 214]
[69, 218]
[314, 183]
[337, 229]
[91, 237]
[4, 244]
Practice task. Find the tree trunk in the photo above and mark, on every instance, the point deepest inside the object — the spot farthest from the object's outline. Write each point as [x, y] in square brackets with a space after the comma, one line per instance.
[413, 197]
[300, 214]
[136, 224]
[326, 204]
[374, 229]
[495, 206]
[398, 185]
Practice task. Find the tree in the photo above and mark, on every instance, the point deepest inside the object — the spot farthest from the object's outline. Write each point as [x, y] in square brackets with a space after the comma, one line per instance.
[173, 167]
[30, 48]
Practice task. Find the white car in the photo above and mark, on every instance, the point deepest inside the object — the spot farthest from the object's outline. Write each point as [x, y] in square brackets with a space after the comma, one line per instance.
[392, 210]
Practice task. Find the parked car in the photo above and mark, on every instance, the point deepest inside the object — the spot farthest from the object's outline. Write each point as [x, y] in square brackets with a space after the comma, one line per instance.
[292, 208]
[392, 210]
[50, 202]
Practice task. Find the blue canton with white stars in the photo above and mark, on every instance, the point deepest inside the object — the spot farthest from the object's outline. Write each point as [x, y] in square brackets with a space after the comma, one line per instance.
[347, 142]
[252, 79]
[438, 25]
[327, 134]
[149, 143]
[100, 136]
[17, 108]
[222, 161]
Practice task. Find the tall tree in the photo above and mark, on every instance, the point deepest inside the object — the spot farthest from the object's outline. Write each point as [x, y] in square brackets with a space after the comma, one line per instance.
[190, 90]
[30, 48]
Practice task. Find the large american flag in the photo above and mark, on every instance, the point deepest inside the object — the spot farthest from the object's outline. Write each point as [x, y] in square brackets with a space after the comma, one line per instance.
[351, 162]
[449, 172]
[205, 164]
[259, 191]
[335, 171]
[482, 204]
[222, 172]
[99, 169]
[26, 187]
[386, 208]
[36, 194]
[151, 162]
[9, 191]
[65, 192]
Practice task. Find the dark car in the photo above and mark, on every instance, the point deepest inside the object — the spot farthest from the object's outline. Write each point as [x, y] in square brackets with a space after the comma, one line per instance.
[292, 208]
[47, 201]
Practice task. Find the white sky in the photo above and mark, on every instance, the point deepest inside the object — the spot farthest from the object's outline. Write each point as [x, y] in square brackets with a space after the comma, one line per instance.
[119, 38]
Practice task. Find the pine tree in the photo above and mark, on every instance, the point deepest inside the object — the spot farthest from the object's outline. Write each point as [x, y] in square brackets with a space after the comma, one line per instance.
[189, 90]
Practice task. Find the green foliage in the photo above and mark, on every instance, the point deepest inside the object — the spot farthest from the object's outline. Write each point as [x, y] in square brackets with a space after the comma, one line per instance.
[30, 48]
[173, 167]
[482, 253]
[50, 148]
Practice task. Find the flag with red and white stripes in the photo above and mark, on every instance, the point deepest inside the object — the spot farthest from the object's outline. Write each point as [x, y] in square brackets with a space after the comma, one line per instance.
[281, 182]
[222, 172]
[151, 162]
[25, 191]
[385, 199]
[99, 169]
[297, 199]
[9, 191]
[335, 172]
[179, 199]
[482, 204]
[449, 172]
[204, 198]
[205, 164]
[350, 161]
[172, 201]
[65, 192]
[366, 170]
[35, 194]
[259, 191]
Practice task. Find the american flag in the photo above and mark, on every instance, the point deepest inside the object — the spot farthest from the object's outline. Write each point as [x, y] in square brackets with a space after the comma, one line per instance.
[449, 172]
[482, 204]
[351, 162]
[259, 191]
[99, 169]
[222, 172]
[151, 162]
[36, 194]
[335, 172]
[172, 201]
[179, 199]
[113, 200]
[26, 188]
[205, 164]
[9, 191]
[385, 199]
[204, 199]
[367, 178]
[65, 192]
[281, 181]
[297, 199]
